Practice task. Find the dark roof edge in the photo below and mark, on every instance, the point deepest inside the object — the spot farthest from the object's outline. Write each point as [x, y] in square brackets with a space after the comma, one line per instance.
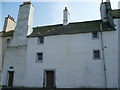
[65, 34]
[68, 24]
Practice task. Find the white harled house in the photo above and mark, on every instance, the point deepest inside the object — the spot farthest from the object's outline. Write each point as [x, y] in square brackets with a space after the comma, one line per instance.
[68, 55]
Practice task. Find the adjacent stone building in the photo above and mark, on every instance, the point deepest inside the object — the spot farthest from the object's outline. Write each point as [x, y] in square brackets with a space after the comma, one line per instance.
[68, 55]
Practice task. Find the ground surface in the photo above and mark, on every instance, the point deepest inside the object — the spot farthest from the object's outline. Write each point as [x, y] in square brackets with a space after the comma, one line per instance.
[16, 88]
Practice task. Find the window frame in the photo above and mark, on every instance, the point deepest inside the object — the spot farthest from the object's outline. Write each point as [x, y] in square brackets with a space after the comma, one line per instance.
[41, 60]
[40, 40]
[96, 58]
[93, 37]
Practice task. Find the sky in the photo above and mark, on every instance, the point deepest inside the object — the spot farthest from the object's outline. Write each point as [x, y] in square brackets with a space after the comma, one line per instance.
[50, 12]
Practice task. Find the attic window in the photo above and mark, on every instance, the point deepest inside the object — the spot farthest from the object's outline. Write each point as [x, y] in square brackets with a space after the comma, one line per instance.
[40, 40]
[95, 35]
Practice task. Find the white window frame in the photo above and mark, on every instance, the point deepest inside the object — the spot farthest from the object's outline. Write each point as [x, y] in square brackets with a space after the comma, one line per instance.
[40, 61]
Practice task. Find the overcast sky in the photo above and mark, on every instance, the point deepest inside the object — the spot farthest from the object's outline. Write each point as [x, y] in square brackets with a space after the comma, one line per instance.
[50, 12]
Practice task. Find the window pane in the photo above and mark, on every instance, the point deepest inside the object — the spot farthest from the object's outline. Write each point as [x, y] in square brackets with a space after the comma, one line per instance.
[96, 54]
[41, 40]
[39, 56]
[95, 34]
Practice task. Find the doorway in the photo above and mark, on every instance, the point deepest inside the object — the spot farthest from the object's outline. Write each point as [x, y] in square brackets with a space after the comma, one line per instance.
[50, 79]
[10, 78]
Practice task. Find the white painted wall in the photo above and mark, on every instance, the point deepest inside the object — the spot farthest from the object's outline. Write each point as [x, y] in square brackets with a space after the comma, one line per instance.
[15, 54]
[72, 58]
[16, 57]
[5, 45]
[111, 58]
[117, 23]
[0, 56]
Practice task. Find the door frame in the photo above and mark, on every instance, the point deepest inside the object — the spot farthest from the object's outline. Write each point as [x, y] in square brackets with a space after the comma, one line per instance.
[8, 78]
[45, 75]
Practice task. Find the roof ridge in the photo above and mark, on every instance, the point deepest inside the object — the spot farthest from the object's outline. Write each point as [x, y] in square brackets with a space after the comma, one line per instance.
[68, 24]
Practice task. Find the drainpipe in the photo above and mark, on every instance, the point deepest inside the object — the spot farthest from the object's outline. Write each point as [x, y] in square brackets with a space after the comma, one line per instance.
[103, 55]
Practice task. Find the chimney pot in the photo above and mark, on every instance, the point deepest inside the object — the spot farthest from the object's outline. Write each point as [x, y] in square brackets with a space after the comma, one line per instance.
[29, 2]
[65, 8]
[65, 16]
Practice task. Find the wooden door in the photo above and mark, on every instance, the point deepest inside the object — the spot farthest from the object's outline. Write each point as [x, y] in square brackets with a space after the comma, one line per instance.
[50, 79]
[10, 78]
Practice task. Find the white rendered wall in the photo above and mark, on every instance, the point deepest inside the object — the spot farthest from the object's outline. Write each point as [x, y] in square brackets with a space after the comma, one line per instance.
[5, 45]
[72, 58]
[0, 56]
[111, 58]
[16, 57]
[117, 23]
[15, 54]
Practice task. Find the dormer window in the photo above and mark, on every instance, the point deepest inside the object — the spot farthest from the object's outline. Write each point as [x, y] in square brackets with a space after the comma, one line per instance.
[40, 40]
[95, 35]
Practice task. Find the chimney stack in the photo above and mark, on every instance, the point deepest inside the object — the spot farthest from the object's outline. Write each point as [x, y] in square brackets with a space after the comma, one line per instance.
[106, 10]
[9, 24]
[11, 18]
[65, 16]
[103, 10]
[107, 0]
[24, 24]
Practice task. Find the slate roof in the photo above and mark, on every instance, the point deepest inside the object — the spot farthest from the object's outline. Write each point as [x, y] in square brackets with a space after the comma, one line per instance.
[9, 33]
[116, 13]
[71, 28]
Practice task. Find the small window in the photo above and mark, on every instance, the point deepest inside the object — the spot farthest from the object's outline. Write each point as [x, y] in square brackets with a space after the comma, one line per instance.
[11, 67]
[39, 57]
[8, 40]
[96, 54]
[95, 35]
[40, 40]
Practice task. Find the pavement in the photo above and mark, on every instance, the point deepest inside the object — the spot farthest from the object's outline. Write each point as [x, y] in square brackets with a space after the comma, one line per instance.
[22, 88]
[0, 87]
